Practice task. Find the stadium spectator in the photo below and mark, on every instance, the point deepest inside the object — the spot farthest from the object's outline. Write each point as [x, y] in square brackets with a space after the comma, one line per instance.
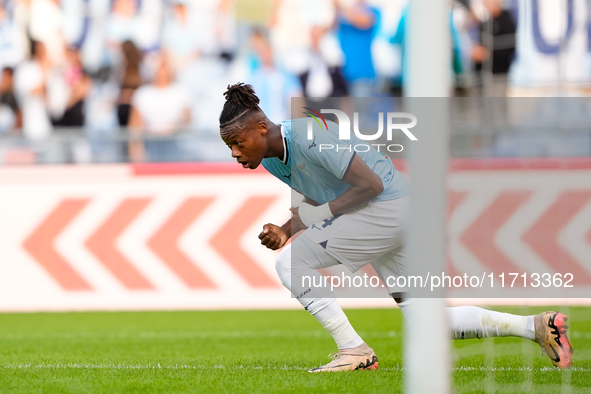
[398, 39]
[131, 80]
[289, 33]
[180, 36]
[214, 24]
[46, 25]
[12, 50]
[77, 84]
[30, 87]
[133, 20]
[10, 113]
[19, 13]
[272, 82]
[495, 50]
[207, 69]
[324, 77]
[100, 113]
[357, 24]
[123, 23]
[225, 29]
[159, 109]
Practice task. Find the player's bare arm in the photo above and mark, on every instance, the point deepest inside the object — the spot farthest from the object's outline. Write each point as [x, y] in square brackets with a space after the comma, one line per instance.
[365, 186]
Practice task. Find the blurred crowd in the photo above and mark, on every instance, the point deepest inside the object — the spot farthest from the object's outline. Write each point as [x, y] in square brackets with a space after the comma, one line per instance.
[142, 70]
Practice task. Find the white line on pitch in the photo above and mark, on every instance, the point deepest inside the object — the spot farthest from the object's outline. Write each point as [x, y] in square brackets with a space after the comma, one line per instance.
[251, 367]
[206, 334]
[190, 334]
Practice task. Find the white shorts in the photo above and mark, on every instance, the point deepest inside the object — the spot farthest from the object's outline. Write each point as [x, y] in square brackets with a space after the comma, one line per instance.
[373, 234]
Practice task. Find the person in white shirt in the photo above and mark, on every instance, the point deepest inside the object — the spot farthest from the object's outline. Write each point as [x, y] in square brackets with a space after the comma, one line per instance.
[123, 23]
[30, 86]
[46, 25]
[159, 110]
[180, 36]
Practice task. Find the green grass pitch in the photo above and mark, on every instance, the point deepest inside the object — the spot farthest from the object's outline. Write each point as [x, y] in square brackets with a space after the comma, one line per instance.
[255, 351]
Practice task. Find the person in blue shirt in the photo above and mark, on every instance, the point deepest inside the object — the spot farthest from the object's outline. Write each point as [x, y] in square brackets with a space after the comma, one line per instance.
[354, 213]
[357, 25]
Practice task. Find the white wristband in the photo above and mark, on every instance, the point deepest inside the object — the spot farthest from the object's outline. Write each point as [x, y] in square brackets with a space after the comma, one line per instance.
[310, 214]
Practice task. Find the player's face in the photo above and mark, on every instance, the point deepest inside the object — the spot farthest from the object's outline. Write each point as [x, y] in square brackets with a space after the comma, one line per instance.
[248, 145]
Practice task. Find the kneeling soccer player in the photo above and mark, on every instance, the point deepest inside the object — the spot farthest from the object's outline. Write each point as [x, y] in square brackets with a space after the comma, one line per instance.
[349, 193]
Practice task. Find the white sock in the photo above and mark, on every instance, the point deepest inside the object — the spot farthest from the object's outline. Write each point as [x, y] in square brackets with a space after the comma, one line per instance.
[320, 302]
[472, 322]
[329, 313]
[467, 322]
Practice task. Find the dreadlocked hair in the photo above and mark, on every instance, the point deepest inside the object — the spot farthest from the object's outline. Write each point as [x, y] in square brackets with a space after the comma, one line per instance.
[240, 101]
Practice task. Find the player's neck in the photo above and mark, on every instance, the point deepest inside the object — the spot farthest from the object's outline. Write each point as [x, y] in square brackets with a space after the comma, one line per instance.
[275, 141]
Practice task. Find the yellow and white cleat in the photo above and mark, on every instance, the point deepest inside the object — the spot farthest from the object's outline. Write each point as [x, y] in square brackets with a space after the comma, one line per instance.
[551, 335]
[359, 358]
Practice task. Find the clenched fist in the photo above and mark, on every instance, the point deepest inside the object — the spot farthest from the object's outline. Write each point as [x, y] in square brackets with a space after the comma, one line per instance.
[273, 237]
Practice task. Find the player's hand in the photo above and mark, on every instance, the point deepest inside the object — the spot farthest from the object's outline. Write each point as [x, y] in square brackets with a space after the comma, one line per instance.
[296, 221]
[273, 237]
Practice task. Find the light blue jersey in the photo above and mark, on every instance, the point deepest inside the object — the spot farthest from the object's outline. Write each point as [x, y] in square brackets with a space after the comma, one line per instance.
[314, 170]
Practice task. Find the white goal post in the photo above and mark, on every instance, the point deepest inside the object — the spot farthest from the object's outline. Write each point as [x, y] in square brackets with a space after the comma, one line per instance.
[428, 49]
